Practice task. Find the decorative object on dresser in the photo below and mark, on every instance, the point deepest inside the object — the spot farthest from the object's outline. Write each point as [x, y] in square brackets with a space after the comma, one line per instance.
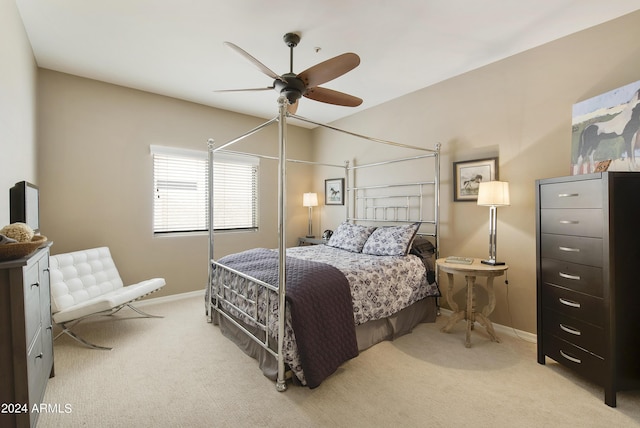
[24, 201]
[606, 131]
[86, 283]
[587, 279]
[452, 266]
[493, 194]
[310, 200]
[26, 339]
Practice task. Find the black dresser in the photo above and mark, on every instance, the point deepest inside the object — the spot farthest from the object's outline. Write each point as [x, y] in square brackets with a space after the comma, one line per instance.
[588, 276]
[26, 342]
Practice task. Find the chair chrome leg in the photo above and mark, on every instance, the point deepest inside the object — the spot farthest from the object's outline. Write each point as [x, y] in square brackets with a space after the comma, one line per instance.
[67, 329]
[79, 339]
[144, 314]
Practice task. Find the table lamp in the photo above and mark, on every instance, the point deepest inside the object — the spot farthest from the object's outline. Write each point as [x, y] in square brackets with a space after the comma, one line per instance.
[310, 200]
[493, 194]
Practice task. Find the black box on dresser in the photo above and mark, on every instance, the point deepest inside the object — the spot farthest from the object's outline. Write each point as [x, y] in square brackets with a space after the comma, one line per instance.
[588, 270]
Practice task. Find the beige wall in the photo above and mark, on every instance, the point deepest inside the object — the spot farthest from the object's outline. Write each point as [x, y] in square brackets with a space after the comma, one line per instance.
[96, 175]
[518, 109]
[17, 106]
[94, 165]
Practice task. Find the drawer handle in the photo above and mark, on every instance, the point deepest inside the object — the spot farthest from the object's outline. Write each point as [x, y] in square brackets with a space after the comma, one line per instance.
[40, 355]
[569, 222]
[35, 284]
[571, 330]
[568, 276]
[568, 195]
[569, 302]
[570, 358]
[569, 250]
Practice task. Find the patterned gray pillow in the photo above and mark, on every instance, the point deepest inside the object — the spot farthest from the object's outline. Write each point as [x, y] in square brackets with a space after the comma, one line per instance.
[350, 237]
[391, 240]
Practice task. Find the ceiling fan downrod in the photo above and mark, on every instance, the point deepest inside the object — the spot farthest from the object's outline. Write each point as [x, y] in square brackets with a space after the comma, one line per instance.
[292, 40]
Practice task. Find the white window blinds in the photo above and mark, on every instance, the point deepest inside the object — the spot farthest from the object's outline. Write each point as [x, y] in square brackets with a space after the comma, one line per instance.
[180, 179]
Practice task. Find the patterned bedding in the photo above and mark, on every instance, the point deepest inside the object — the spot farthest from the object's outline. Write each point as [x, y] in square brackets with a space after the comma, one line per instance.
[380, 287]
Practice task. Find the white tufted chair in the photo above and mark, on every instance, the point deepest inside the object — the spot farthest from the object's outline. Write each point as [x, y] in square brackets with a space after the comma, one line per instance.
[86, 283]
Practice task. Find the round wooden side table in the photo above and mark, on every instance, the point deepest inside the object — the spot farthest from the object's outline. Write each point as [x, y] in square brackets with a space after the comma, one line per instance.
[470, 272]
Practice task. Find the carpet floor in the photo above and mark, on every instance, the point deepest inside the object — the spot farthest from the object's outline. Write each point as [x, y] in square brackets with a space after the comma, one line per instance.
[179, 371]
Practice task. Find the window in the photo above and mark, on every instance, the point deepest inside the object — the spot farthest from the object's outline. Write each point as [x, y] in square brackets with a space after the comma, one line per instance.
[181, 197]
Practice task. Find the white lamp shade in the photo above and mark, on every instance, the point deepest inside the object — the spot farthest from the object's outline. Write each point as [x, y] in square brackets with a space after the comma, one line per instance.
[494, 193]
[310, 200]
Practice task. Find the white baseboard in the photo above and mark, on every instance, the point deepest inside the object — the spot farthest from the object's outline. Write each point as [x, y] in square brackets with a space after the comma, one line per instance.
[171, 298]
[499, 328]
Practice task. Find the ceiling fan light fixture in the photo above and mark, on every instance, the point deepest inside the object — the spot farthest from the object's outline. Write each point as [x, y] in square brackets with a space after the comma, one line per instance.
[291, 95]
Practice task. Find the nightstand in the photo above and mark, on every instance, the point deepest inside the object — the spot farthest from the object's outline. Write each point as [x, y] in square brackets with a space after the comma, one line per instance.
[470, 314]
[310, 241]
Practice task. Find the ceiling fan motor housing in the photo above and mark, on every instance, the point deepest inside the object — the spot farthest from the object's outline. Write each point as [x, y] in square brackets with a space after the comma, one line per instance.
[292, 88]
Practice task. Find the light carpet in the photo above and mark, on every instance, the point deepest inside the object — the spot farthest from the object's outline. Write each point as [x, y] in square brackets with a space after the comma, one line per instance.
[179, 371]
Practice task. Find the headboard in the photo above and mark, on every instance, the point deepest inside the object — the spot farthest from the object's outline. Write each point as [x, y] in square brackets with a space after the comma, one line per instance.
[393, 198]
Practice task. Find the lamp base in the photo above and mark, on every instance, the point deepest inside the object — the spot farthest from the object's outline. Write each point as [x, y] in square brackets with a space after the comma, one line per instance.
[492, 262]
[310, 236]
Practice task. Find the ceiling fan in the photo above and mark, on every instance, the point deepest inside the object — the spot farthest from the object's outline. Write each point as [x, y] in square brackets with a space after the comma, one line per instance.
[305, 84]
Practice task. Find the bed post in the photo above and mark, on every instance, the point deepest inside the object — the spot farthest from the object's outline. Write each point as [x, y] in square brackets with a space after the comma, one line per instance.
[437, 201]
[348, 194]
[209, 293]
[281, 383]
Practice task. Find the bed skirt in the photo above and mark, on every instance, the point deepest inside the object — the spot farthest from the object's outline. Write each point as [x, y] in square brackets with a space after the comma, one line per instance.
[367, 334]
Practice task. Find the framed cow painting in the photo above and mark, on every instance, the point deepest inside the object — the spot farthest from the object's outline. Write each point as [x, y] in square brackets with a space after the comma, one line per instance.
[605, 132]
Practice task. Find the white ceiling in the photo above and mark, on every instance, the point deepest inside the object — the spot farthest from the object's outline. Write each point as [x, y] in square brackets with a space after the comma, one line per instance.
[175, 48]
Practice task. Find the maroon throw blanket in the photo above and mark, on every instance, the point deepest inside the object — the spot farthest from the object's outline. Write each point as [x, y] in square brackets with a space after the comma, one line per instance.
[319, 299]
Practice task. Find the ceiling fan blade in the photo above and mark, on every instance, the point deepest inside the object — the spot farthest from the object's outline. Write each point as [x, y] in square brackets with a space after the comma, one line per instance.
[268, 88]
[293, 108]
[329, 69]
[260, 66]
[330, 96]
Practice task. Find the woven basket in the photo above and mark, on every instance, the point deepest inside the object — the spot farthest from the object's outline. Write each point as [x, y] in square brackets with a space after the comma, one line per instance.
[21, 249]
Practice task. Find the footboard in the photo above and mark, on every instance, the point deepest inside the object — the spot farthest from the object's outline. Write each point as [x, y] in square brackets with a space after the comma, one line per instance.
[312, 334]
[243, 301]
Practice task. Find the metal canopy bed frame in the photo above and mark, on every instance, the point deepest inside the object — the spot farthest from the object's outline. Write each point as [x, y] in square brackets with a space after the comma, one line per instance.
[407, 202]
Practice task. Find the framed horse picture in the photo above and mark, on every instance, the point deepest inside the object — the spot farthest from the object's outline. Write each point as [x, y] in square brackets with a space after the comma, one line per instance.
[467, 176]
[334, 191]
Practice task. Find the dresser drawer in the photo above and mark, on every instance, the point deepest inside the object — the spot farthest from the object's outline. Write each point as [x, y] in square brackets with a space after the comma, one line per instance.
[583, 362]
[572, 330]
[575, 249]
[32, 313]
[572, 194]
[576, 305]
[585, 279]
[577, 222]
[34, 369]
